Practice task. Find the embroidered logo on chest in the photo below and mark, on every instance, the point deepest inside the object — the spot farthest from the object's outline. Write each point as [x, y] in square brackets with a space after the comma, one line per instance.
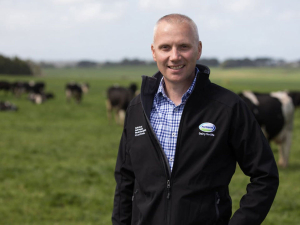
[138, 131]
[207, 129]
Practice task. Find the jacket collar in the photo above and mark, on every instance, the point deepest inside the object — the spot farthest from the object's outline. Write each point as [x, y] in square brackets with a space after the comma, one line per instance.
[150, 85]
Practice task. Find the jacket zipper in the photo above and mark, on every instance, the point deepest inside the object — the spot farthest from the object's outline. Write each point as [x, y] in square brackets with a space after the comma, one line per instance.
[217, 202]
[168, 189]
[168, 201]
[134, 194]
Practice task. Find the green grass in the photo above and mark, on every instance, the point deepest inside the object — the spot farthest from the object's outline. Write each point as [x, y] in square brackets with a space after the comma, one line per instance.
[57, 159]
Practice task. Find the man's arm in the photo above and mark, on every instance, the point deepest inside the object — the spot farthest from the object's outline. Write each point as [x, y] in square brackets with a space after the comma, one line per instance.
[256, 160]
[124, 189]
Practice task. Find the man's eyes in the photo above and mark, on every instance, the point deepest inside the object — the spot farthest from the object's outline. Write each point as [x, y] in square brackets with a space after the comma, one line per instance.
[184, 46]
[180, 47]
[165, 47]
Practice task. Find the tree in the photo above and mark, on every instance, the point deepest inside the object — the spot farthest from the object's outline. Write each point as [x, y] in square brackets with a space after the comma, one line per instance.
[17, 66]
[209, 62]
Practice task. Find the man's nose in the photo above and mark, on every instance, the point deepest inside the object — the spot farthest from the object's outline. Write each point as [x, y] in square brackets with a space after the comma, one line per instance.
[175, 55]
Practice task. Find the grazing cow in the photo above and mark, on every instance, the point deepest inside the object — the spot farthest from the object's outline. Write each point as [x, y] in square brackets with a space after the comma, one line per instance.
[5, 86]
[275, 114]
[118, 99]
[76, 91]
[36, 88]
[39, 98]
[7, 106]
[19, 87]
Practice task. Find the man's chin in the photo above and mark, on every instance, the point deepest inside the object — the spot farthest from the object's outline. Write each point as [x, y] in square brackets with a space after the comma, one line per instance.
[175, 79]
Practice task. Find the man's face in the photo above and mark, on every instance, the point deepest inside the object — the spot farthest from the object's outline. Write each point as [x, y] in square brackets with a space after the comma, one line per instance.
[176, 51]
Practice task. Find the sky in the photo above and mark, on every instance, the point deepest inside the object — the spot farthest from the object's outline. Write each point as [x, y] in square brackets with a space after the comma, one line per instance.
[111, 30]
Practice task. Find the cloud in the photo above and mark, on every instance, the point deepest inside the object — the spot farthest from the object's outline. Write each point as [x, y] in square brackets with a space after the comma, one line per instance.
[58, 14]
[217, 24]
[91, 10]
[289, 15]
[96, 11]
[161, 5]
[71, 2]
[68, 1]
[241, 6]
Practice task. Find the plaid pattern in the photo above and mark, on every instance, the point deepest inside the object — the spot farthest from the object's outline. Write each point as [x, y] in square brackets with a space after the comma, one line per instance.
[165, 118]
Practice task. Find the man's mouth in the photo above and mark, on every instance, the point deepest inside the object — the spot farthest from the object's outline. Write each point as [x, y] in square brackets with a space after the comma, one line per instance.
[176, 67]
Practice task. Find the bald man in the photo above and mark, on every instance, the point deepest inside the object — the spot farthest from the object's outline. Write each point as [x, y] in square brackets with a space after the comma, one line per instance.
[182, 138]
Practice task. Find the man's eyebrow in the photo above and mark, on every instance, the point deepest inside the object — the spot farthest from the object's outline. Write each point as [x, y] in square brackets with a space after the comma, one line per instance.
[184, 43]
[162, 45]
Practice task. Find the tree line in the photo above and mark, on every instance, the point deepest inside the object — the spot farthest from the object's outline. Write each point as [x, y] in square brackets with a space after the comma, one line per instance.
[16, 66]
[211, 62]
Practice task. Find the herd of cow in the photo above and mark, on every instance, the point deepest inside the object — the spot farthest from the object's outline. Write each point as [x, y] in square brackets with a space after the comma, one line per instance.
[36, 92]
[273, 111]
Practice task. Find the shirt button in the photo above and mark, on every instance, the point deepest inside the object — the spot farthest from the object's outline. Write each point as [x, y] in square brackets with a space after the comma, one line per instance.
[173, 134]
[171, 159]
[175, 110]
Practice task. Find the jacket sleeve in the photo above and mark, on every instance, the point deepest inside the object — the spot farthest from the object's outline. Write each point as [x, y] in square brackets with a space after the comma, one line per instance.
[124, 176]
[256, 160]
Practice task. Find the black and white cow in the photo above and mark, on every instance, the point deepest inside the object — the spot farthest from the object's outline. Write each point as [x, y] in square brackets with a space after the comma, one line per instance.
[5, 86]
[39, 98]
[118, 99]
[36, 87]
[275, 114]
[76, 91]
[7, 106]
[20, 87]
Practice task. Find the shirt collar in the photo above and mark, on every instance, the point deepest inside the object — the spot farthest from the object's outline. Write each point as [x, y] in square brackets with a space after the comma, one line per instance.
[161, 88]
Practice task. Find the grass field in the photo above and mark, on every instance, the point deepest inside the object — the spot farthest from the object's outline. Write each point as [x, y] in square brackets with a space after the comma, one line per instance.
[57, 159]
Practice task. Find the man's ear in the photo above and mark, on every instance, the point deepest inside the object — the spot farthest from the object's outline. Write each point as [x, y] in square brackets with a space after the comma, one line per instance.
[153, 52]
[199, 49]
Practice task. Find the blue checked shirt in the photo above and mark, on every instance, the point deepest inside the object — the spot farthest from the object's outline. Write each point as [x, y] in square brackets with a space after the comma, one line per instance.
[165, 118]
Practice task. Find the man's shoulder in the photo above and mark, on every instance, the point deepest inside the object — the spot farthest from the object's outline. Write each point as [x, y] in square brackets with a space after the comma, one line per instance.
[135, 101]
[222, 95]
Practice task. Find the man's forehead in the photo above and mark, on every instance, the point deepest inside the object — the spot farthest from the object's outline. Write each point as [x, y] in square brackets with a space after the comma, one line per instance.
[173, 31]
[165, 25]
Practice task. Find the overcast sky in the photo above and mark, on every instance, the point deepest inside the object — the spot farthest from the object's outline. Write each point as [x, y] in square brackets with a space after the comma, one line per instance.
[104, 30]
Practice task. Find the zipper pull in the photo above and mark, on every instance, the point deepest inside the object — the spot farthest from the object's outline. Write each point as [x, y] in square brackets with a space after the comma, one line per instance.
[134, 193]
[168, 189]
[168, 184]
[218, 198]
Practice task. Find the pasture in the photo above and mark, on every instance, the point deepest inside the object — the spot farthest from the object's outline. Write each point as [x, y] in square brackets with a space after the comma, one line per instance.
[57, 159]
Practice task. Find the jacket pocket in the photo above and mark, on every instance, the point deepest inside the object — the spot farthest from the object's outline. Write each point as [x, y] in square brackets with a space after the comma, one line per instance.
[207, 210]
[136, 214]
[217, 202]
[223, 206]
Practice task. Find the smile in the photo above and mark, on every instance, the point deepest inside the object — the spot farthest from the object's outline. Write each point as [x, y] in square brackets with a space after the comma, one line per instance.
[176, 67]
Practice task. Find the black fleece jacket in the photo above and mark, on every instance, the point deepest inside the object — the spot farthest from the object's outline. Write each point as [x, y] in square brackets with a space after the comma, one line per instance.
[196, 191]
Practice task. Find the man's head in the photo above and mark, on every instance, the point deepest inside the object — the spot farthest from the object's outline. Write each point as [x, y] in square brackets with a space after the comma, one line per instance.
[177, 19]
[176, 48]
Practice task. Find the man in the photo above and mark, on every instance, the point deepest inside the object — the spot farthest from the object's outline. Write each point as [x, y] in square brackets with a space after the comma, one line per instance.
[182, 138]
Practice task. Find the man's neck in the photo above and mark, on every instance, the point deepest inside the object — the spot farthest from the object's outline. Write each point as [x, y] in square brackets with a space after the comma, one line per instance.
[175, 91]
